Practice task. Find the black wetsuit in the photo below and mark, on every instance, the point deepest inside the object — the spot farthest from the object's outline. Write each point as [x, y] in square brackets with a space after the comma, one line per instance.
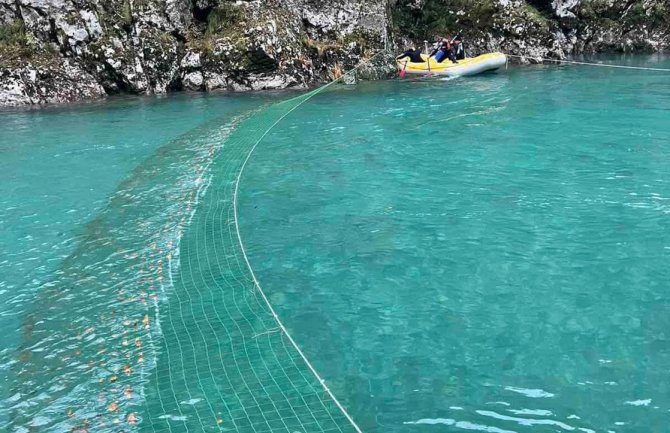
[447, 53]
[460, 52]
[414, 56]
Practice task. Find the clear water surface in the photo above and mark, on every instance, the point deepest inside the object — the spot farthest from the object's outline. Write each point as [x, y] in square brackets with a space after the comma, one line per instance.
[483, 254]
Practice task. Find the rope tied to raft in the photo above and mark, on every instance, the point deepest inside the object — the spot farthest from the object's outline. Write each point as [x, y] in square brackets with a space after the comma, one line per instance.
[600, 65]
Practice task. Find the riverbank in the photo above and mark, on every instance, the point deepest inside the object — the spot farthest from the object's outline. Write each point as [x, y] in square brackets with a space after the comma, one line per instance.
[60, 52]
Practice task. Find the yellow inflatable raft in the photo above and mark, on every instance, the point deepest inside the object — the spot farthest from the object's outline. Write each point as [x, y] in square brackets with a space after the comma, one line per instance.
[469, 66]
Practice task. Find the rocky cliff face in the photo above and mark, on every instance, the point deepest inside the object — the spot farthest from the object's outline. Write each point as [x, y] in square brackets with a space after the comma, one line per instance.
[67, 50]
[542, 28]
[60, 50]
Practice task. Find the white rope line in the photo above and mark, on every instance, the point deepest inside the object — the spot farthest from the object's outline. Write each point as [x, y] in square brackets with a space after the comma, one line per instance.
[246, 258]
[600, 65]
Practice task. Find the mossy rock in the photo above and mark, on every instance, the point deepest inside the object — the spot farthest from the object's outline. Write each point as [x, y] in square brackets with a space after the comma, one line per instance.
[537, 17]
[439, 18]
[14, 44]
[13, 34]
[225, 18]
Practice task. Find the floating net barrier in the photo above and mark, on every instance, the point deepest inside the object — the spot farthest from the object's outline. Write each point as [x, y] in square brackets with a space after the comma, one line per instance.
[226, 361]
[91, 334]
[591, 64]
[156, 322]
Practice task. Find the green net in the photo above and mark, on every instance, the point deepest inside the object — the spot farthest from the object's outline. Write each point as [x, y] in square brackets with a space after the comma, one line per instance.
[156, 322]
[226, 362]
[220, 329]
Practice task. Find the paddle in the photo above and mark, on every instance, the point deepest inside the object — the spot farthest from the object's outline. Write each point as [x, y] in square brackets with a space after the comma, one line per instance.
[402, 71]
[428, 63]
[425, 46]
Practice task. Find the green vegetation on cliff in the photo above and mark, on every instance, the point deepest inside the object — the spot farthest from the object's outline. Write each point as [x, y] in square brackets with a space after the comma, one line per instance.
[224, 18]
[599, 25]
[439, 17]
[13, 42]
[628, 16]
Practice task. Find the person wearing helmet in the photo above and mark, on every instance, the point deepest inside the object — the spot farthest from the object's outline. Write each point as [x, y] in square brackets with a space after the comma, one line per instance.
[459, 49]
[414, 55]
[444, 51]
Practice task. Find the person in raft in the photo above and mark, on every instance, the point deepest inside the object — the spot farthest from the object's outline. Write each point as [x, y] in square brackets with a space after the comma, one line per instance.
[459, 50]
[444, 51]
[414, 55]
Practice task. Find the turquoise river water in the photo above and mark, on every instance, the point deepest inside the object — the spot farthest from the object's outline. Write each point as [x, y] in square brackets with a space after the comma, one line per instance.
[482, 254]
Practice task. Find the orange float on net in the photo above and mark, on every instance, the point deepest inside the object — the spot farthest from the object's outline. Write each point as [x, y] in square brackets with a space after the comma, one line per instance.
[132, 419]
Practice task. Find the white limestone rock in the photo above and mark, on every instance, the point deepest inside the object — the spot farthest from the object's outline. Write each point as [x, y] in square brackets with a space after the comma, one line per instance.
[215, 81]
[565, 8]
[179, 13]
[12, 89]
[191, 61]
[64, 82]
[273, 82]
[193, 81]
[92, 24]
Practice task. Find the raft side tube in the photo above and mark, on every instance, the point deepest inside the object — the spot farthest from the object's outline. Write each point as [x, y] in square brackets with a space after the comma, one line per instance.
[469, 66]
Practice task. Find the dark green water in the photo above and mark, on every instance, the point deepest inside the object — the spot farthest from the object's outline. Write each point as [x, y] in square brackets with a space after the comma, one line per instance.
[481, 254]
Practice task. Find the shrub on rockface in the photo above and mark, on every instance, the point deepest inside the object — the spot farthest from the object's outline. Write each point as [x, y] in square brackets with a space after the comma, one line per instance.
[14, 44]
[480, 21]
[439, 17]
[224, 17]
[628, 15]
[13, 34]
[624, 26]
